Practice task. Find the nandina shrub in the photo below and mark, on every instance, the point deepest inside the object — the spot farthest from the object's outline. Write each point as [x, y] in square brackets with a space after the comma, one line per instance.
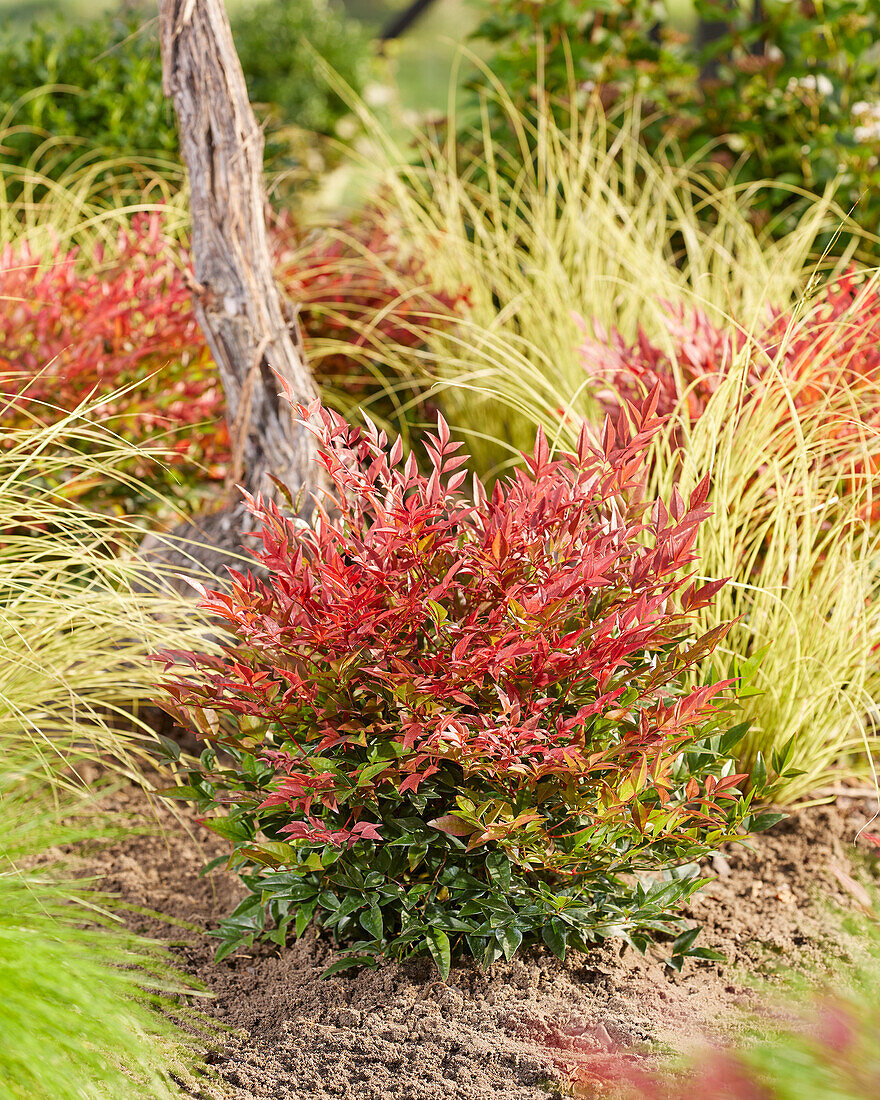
[459, 725]
[836, 341]
[123, 328]
[832, 346]
[120, 325]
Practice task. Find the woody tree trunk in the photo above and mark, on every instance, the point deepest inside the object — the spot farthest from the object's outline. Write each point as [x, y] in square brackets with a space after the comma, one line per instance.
[250, 328]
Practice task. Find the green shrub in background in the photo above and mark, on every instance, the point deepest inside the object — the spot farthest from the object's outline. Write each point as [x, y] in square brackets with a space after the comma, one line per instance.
[66, 90]
[791, 92]
[575, 44]
[275, 42]
[69, 92]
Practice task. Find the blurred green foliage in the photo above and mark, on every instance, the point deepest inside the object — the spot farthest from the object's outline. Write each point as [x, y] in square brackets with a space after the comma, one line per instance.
[68, 89]
[88, 1010]
[789, 91]
[71, 90]
[276, 41]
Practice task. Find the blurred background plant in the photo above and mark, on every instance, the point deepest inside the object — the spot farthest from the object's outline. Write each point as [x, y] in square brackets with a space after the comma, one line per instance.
[818, 1038]
[72, 91]
[275, 44]
[772, 90]
[87, 1009]
[75, 92]
[119, 326]
[782, 90]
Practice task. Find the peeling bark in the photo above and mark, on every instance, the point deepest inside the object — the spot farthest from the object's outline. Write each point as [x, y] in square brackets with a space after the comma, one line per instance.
[250, 327]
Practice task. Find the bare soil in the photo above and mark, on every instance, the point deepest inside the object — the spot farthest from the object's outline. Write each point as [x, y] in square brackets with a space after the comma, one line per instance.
[514, 1032]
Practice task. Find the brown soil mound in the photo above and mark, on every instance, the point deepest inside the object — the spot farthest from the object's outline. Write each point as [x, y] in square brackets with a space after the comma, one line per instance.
[398, 1033]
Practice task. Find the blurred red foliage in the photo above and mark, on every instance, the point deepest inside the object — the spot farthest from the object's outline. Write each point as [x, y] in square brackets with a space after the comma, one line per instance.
[122, 329]
[831, 349]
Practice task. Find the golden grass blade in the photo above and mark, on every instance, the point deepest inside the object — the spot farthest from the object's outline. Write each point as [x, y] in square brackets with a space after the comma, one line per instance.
[80, 614]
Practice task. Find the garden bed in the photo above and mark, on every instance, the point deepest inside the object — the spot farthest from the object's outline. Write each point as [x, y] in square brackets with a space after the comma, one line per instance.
[397, 1032]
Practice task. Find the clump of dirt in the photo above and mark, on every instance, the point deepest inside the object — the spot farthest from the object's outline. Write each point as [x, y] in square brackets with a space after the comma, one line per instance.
[398, 1033]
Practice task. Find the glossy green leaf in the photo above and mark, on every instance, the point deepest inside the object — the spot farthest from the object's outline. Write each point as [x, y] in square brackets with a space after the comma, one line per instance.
[371, 921]
[554, 936]
[509, 939]
[441, 950]
[350, 962]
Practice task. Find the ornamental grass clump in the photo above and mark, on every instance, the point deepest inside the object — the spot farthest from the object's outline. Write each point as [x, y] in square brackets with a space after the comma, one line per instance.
[583, 221]
[81, 613]
[785, 418]
[88, 1009]
[459, 725]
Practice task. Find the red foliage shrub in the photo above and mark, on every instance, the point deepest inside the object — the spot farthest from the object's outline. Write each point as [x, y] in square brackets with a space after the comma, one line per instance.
[350, 288]
[128, 323]
[831, 1051]
[478, 707]
[630, 370]
[67, 334]
[839, 341]
[836, 345]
